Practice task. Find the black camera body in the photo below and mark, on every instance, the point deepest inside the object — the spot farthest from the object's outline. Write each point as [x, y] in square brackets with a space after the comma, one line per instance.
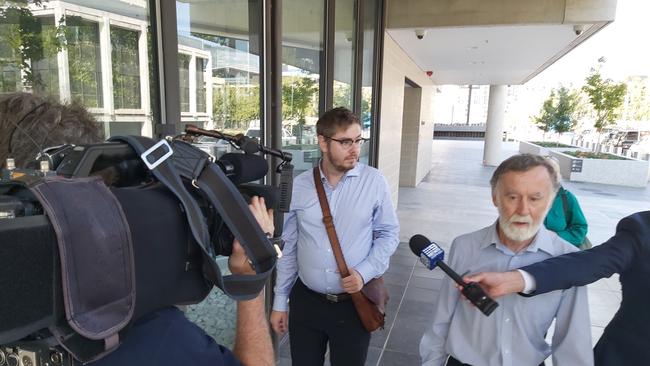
[169, 265]
[37, 353]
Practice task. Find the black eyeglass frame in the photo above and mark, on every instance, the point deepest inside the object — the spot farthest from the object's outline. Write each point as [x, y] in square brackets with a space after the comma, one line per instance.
[347, 143]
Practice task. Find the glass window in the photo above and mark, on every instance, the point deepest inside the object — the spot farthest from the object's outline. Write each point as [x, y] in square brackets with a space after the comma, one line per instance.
[344, 45]
[65, 50]
[370, 18]
[222, 76]
[219, 66]
[201, 65]
[302, 49]
[84, 59]
[126, 68]
[184, 80]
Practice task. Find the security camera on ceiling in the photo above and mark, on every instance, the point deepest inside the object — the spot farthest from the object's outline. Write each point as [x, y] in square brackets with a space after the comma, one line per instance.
[578, 29]
[420, 33]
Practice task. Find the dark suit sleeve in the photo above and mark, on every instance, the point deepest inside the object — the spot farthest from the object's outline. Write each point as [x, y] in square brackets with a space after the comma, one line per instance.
[585, 267]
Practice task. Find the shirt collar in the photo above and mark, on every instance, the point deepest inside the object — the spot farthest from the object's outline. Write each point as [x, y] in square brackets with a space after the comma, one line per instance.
[541, 242]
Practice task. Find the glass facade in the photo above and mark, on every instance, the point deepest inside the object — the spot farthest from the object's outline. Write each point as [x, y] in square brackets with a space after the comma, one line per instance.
[303, 23]
[95, 53]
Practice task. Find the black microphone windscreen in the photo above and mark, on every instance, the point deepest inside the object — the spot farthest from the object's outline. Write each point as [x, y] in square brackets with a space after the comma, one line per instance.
[417, 243]
[247, 167]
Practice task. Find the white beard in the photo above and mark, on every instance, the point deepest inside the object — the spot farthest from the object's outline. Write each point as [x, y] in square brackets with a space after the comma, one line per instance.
[515, 233]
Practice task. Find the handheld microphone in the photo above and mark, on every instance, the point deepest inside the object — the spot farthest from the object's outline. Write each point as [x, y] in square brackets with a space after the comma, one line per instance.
[431, 255]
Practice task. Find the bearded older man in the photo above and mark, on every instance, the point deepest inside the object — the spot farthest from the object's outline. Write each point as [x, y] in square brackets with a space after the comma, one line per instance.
[523, 188]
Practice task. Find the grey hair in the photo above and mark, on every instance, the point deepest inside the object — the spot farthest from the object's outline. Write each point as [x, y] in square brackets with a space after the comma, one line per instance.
[524, 163]
[29, 123]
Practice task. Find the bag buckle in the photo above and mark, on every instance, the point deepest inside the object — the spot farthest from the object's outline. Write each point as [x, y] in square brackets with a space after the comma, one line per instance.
[151, 160]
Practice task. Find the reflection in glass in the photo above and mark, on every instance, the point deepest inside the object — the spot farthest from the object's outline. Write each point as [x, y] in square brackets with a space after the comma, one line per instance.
[302, 47]
[344, 39]
[219, 69]
[369, 26]
[66, 51]
[85, 61]
[220, 83]
[126, 68]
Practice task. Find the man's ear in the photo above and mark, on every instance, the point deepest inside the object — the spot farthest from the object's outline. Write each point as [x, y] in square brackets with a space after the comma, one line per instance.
[494, 197]
[322, 143]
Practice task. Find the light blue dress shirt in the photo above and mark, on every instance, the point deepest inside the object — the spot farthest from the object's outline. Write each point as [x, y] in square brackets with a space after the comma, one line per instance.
[366, 226]
[513, 334]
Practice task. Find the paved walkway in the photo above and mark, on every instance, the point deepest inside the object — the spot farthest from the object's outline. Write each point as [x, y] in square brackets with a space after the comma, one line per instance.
[455, 199]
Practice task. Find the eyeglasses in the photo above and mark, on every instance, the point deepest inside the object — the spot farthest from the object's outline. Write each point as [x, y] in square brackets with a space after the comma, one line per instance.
[347, 143]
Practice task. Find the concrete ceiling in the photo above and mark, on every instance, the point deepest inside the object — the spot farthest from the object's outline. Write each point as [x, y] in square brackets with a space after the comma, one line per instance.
[482, 55]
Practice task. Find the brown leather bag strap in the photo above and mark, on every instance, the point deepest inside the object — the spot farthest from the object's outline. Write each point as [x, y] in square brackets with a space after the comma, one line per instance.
[329, 225]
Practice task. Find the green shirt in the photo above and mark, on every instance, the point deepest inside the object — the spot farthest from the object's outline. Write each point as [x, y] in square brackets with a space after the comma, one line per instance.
[574, 229]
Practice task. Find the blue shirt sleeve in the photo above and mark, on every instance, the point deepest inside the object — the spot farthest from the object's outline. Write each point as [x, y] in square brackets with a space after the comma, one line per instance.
[167, 338]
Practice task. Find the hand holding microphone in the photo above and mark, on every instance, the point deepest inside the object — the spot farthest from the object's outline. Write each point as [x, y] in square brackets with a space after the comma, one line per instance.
[431, 255]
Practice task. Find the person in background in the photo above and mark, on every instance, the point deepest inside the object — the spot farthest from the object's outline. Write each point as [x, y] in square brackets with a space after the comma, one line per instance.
[565, 216]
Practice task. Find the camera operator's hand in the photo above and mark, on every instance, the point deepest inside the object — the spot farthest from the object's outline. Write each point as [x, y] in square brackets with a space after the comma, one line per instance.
[253, 345]
[238, 261]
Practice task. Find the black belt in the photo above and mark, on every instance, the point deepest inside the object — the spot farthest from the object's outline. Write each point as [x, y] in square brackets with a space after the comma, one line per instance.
[454, 362]
[329, 297]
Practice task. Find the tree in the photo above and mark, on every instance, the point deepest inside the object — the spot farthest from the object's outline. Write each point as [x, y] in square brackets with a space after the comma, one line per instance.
[545, 119]
[24, 40]
[567, 110]
[560, 111]
[605, 97]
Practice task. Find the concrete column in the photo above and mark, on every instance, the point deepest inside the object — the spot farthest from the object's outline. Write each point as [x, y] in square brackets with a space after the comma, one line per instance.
[494, 126]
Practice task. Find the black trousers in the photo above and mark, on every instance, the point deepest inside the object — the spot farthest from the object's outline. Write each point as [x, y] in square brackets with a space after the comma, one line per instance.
[314, 322]
[454, 362]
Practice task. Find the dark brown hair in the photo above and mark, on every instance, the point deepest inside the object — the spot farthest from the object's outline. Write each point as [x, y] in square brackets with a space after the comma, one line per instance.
[524, 163]
[29, 123]
[334, 120]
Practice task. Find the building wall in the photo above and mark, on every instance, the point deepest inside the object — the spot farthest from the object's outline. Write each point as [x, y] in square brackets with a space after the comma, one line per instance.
[397, 66]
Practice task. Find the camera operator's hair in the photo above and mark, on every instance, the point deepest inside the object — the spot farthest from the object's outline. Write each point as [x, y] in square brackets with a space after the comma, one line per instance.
[29, 123]
[334, 120]
[524, 163]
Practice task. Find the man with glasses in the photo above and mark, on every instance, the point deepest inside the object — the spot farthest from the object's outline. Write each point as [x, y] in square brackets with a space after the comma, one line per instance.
[366, 225]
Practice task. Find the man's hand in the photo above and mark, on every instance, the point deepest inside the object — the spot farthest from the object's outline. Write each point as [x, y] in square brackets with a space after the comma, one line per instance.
[498, 284]
[352, 283]
[263, 215]
[238, 261]
[280, 321]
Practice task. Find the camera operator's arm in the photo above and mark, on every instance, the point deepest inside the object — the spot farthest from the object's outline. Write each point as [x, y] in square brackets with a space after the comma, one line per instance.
[253, 340]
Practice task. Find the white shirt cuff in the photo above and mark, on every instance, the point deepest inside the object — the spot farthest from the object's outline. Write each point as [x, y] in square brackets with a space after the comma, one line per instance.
[529, 282]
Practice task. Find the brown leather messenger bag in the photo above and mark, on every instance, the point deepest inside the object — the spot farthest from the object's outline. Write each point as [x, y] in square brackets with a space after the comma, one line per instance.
[370, 302]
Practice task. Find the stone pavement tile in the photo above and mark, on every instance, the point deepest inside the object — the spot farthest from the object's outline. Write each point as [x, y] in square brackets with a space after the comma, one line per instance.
[600, 315]
[426, 283]
[394, 358]
[407, 332]
[373, 356]
[607, 298]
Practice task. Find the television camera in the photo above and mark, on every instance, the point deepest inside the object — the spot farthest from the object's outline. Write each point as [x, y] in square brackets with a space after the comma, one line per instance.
[180, 207]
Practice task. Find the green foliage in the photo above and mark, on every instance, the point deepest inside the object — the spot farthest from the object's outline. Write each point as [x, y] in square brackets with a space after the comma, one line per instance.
[549, 144]
[593, 155]
[24, 39]
[560, 111]
[605, 97]
[299, 98]
[235, 106]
